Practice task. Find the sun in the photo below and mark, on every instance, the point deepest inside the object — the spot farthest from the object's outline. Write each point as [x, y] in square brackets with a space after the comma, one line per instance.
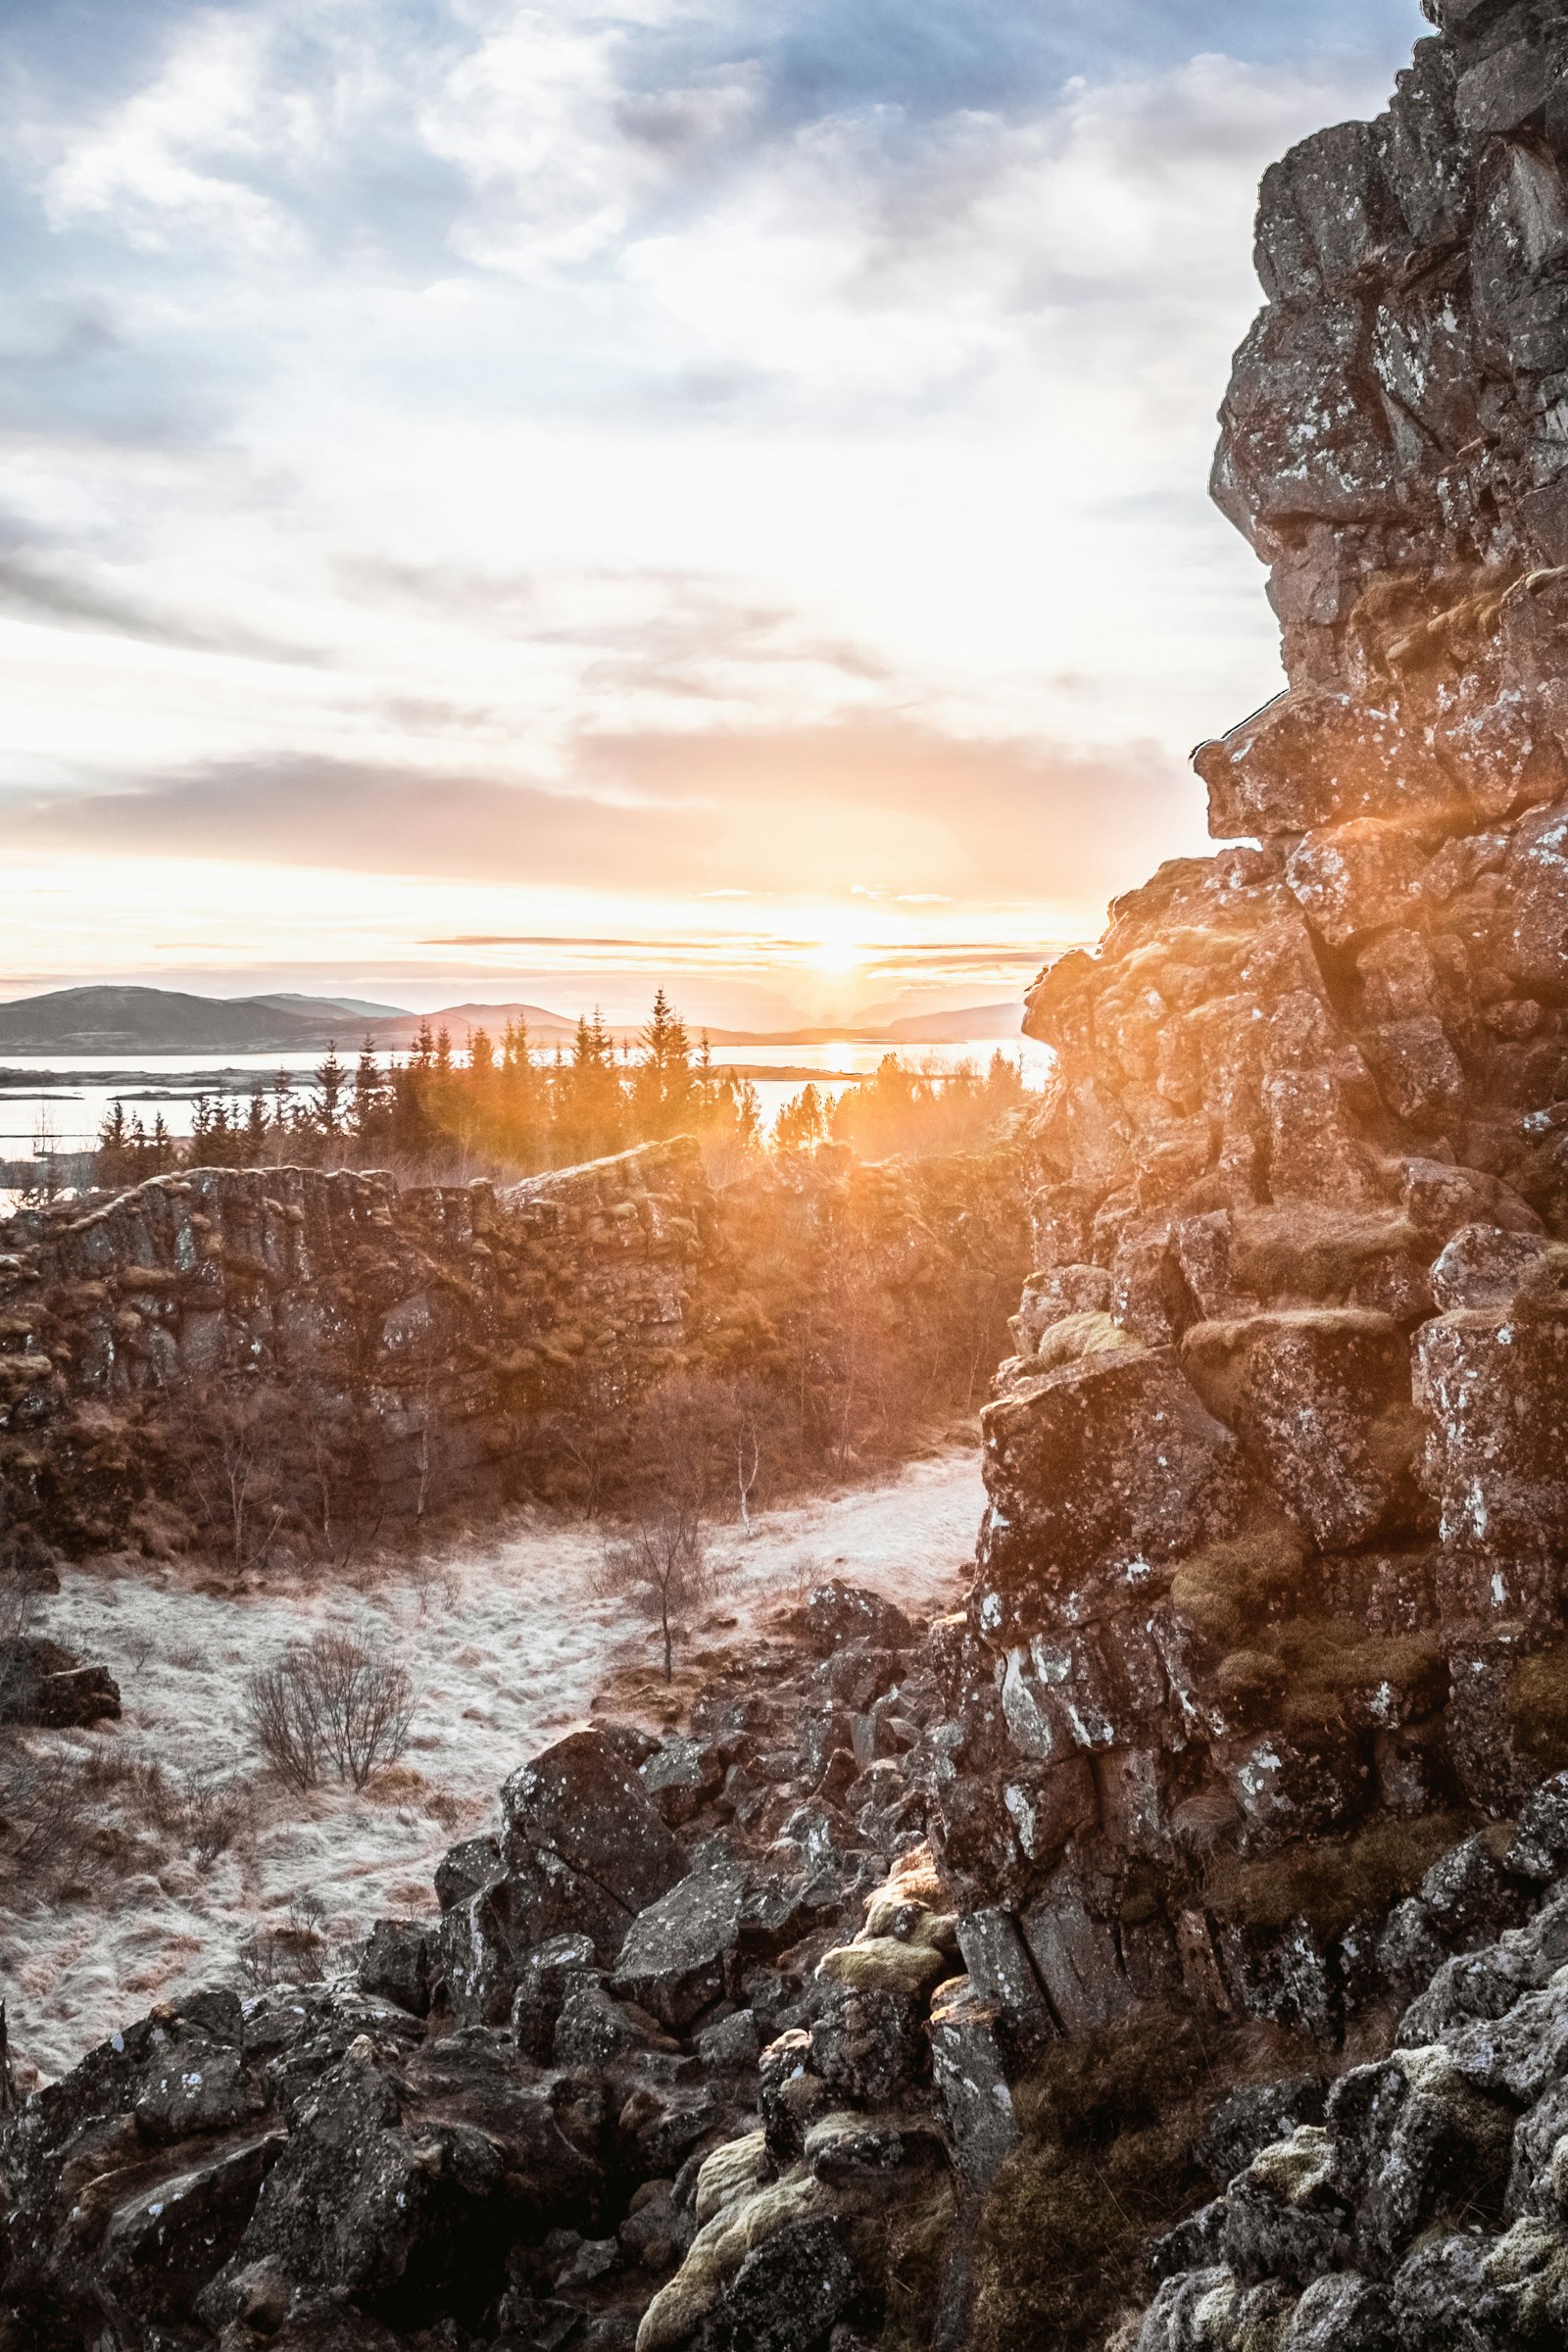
[840, 949]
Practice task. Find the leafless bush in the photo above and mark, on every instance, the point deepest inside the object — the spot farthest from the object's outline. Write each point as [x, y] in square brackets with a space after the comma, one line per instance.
[283, 1710]
[366, 1705]
[47, 1812]
[661, 1565]
[202, 1814]
[214, 1813]
[294, 1953]
[330, 1702]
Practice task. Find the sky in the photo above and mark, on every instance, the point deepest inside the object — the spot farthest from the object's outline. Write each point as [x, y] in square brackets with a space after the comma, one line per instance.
[531, 501]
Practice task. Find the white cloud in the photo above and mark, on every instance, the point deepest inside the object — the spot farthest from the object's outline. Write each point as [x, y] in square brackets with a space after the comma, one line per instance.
[672, 407]
[168, 165]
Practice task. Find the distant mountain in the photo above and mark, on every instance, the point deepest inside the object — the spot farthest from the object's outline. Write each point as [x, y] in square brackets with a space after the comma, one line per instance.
[127, 1021]
[150, 1020]
[328, 1008]
[458, 1019]
[978, 1022]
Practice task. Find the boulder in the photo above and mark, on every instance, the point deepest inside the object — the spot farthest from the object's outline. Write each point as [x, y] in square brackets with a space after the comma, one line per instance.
[673, 1959]
[1489, 1267]
[466, 1870]
[43, 1684]
[1001, 1974]
[1094, 1470]
[547, 1975]
[836, 1613]
[867, 2040]
[969, 2074]
[399, 1963]
[1294, 1784]
[1252, 2118]
[681, 1776]
[1493, 1389]
[584, 1847]
[1321, 1397]
[162, 2240]
[1075, 1956]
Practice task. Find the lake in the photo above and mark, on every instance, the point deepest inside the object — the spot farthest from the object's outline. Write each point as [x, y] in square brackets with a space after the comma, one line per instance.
[52, 1103]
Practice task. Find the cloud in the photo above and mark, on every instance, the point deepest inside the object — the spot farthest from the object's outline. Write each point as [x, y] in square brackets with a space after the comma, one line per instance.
[697, 447]
[778, 811]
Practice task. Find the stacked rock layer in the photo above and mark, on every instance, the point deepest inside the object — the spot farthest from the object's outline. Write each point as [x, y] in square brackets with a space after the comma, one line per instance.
[1279, 1480]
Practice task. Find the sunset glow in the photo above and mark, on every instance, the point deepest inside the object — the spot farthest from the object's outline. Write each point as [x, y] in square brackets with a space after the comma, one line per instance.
[650, 494]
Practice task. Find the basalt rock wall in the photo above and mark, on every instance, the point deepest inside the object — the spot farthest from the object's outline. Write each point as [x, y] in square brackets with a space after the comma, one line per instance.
[448, 1319]
[1278, 1503]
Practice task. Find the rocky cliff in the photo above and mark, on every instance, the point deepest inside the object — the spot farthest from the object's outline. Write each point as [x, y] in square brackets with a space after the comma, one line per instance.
[445, 1321]
[1278, 1498]
[927, 1971]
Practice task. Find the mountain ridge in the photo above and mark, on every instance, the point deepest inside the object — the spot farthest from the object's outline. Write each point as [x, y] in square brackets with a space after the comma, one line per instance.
[137, 1020]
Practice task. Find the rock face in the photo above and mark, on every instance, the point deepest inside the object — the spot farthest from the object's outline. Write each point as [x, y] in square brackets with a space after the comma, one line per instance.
[1277, 1506]
[1425, 2203]
[449, 1319]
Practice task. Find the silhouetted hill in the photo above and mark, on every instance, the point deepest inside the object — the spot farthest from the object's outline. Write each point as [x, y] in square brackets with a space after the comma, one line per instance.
[150, 1020]
[163, 1020]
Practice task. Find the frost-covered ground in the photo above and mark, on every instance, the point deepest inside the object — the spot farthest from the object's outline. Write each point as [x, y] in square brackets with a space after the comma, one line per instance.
[509, 1645]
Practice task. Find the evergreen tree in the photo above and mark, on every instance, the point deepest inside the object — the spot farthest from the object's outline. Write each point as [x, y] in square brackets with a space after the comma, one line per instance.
[664, 1093]
[256, 1129]
[329, 1078]
[802, 1123]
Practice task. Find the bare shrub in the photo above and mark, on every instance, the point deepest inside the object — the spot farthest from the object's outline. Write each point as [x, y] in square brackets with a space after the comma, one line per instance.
[661, 1565]
[201, 1814]
[213, 1811]
[238, 1458]
[283, 1711]
[293, 1953]
[48, 1814]
[367, 1703]
[330, 1702]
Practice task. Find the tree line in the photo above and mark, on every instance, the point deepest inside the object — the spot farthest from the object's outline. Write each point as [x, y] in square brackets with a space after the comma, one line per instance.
[507, 1107]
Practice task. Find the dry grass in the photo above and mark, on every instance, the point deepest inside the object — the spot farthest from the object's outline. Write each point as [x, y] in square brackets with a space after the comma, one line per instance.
[1335, 1880]
[81, 1817]
[1539, 1702]
[1306, 1253]
[1076, 1338]
[1300, 1674]
[1228, 1591]
[1106, 2162]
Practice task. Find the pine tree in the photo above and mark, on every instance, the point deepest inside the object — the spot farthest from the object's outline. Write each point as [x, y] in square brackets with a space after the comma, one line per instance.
[366, 1119]
[116, 1161]
[662, 1088]
[256, 1129]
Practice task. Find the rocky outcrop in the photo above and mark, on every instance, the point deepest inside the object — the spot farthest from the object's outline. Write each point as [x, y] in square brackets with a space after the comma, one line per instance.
[1277, 1507]
[657, 2070]
[445, 1321]
[372, 1355]
[1425, 2202]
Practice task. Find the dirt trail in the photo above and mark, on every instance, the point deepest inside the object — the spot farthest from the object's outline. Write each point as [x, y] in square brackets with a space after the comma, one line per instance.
[509, 1645]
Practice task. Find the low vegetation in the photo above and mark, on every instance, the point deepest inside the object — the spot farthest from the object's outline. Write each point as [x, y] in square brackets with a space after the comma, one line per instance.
[1333, 1881]
[330, 1704]
[1105, 2163]
[1540, 1704]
